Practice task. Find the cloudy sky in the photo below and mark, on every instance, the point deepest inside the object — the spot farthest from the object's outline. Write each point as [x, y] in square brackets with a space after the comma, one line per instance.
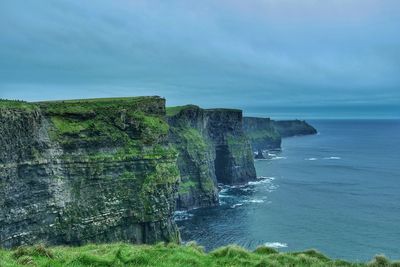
[279, 58]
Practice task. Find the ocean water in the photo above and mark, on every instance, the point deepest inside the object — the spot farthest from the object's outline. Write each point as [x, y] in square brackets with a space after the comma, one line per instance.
[338, 192]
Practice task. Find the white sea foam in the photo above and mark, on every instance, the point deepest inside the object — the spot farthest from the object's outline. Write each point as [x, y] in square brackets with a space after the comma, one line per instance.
[266, 177]
[276, 158]
[263, 181]
[254, 201]
[236, 205]
[182, 215]
[223, 191]
[311, 159]
[276, 245]
[333, 158]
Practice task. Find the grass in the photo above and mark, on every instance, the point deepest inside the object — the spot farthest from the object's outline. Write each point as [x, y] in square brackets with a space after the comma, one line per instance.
[165, 255]
[172, 111]
[263, 134]
[134, 124]
[16, 104]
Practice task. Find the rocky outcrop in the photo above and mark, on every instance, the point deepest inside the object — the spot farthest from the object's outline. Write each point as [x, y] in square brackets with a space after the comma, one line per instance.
[290, 128]
[212, 149]
[262, 133]
[73, 172]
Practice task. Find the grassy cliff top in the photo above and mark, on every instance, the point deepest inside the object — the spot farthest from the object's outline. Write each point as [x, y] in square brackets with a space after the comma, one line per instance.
[16, 104]
[87, 105]
[168, 255]
[105, 100]
[82, 105]
[224, 109]
[172, 111]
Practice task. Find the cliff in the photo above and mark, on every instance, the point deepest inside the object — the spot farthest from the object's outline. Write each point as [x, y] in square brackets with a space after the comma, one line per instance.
[290, 128]
[262, 133]
[266, 134]
[212, 149]
[98, 170]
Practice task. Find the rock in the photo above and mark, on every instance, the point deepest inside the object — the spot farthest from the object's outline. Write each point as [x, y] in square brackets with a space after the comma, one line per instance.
[259, 155]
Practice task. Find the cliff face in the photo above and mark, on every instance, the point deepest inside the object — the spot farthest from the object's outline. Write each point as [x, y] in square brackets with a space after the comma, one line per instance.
[290, 128]
[262, 133]
[73, 172]
[188, 133]
[212, 149]
[234, 159]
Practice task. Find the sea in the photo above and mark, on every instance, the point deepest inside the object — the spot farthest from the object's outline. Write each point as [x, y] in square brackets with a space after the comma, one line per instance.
[337, 192]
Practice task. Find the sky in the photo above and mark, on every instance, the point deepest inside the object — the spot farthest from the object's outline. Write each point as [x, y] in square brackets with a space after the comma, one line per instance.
[276, 58]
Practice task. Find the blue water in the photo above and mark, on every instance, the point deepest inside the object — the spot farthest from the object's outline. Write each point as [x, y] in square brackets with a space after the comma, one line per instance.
[338, 192]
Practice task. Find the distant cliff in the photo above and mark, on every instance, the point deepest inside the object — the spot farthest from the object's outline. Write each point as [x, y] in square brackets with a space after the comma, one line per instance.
[73, 172]
[290, 128]
[212, 149]
[266, 134]
[262, 133]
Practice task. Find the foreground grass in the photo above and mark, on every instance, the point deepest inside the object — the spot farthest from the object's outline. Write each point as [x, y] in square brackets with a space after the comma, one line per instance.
[168, 255]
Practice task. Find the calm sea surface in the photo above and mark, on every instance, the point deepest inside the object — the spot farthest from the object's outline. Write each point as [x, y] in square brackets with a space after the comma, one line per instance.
[338, 192]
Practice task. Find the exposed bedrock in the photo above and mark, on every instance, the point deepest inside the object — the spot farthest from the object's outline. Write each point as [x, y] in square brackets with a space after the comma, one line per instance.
[212, 149]
[73, 172]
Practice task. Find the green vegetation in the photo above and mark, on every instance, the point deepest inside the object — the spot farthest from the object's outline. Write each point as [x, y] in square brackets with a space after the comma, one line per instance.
[171, 111]
[224, 109]
[262, 134]
[109, 255]
[82, 106]
[192, 141]
[16, 104]
[186, 186]
[134, 125]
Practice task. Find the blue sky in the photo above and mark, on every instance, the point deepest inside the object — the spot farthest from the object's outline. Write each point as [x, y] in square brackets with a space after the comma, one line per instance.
[278, 58]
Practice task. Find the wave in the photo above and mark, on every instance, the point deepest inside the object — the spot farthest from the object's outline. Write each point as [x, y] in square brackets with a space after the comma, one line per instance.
[253, 201]
[275, 245]
[182, 215]
[236, 205]
[266, 177]
[276, 158]
[311, 159]
[333, 157]
[264, 180]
